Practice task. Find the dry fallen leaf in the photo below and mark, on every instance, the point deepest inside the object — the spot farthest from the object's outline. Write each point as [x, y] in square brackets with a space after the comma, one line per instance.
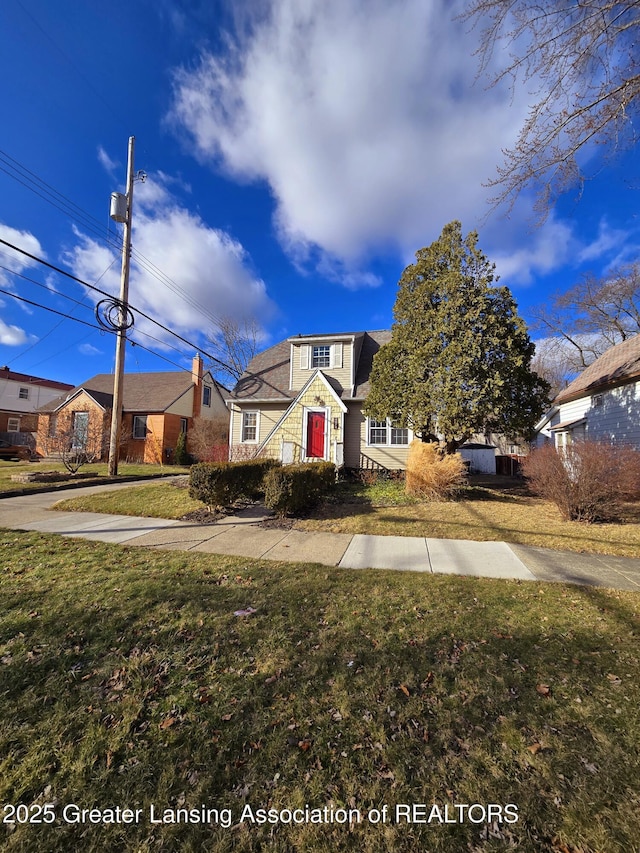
[543, 689]
[405, 689]
[535, 748]
[167, 722]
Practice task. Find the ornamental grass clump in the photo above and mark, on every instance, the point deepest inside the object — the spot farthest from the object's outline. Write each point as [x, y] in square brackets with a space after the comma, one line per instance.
[587, 480]
[432, 474]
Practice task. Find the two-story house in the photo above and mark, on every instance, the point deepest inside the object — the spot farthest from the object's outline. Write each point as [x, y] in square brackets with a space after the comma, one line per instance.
[21, 395]
[301, 400]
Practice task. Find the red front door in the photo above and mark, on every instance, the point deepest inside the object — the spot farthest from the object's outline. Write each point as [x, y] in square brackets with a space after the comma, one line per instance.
[315, 435]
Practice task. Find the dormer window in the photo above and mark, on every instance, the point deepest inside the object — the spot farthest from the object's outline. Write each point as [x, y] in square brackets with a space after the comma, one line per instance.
[321, 356]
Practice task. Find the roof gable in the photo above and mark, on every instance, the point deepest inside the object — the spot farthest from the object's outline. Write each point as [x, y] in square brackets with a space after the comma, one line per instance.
[267, 376]
[618, 365]
[142, 392]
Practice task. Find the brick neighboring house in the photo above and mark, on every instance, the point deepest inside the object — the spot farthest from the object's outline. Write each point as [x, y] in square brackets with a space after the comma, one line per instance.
[21, 395]
[156, 408]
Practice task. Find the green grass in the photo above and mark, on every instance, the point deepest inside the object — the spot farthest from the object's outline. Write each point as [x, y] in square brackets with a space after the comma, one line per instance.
[507, 513]
[157, 500]
[127, 680]
[99, 469]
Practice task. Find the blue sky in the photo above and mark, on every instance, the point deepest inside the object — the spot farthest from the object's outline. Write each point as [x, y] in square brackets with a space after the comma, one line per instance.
[298, 153]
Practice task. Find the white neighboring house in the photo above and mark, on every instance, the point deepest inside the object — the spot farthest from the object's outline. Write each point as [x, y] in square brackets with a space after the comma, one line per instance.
[21, 395]
[601, 404]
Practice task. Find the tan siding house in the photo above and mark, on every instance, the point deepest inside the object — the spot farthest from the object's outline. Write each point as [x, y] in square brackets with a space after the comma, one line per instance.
[301, 400]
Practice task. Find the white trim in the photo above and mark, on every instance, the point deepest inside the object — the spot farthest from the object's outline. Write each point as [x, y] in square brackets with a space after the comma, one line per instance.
[336, 355]
[306, 411]
[389, 427]
[255, 440]
[296, 400]
[305, 357]
[15, 421]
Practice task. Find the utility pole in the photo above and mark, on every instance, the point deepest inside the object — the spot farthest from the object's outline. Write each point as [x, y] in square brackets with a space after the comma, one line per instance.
[121, 212]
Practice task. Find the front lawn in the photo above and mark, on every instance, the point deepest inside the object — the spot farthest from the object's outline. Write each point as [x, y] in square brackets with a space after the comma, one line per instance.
[507, 513]
[98, 469]
[128, 681]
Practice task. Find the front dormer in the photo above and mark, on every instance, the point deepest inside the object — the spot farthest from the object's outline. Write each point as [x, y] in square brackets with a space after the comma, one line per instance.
[332, 354]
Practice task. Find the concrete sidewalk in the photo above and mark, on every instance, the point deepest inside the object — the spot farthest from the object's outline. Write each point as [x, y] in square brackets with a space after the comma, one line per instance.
[245, 535]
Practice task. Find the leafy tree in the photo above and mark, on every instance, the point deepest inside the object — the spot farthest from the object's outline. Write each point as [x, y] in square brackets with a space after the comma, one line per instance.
[459, 358]
[581, 60]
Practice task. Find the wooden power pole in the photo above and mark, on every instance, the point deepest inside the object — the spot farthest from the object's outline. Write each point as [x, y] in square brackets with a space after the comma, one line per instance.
[121, 335]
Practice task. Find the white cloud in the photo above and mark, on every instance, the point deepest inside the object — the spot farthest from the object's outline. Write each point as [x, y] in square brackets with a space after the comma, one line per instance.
[15, 261]
[106, 162]
[364, 119]
[184, 273]
[89, 349]
[12, 336]
[554, 244]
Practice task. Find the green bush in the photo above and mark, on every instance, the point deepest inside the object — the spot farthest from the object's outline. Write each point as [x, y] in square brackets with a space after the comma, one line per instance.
[221, 484]
[181, 456]
[294, 488]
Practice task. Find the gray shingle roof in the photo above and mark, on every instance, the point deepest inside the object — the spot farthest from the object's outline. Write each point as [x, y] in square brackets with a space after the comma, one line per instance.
[619, 363]
[142, 392]
[268, 374]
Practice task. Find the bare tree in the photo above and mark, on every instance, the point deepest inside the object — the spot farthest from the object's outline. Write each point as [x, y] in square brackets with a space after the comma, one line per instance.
[234, 343]
[552, 361]
[591, 317]
[584, 62]
[78, 444]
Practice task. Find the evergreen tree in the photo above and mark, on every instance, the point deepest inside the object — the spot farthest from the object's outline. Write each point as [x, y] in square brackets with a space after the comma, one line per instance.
[459, 358]
[181, 456]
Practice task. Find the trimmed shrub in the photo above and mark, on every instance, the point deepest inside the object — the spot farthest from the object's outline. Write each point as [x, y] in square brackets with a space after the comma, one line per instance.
[291, 489]
[222, 484]
[432, 474]
[587, 480]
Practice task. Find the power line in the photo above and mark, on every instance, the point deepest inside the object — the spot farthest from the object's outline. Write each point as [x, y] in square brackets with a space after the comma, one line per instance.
[108, 295]
[45, 191]
[52, 310]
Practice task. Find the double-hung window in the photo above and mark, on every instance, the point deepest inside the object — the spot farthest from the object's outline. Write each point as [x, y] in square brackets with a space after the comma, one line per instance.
[321, 356]
[23, 394]
[206, 396]
[249, 426]
[384, 432]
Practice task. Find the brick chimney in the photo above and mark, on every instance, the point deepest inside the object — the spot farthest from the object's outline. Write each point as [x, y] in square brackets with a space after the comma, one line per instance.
[197, 371]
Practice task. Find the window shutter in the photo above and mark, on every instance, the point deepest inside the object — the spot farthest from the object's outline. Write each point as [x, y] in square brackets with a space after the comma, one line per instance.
[305, 356]
[336, 355]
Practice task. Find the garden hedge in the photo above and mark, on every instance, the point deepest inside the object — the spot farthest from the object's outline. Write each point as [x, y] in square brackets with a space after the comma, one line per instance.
[221, 484]
[291, 489]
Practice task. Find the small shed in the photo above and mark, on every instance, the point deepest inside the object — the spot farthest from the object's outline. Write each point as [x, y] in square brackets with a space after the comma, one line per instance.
[481, 457]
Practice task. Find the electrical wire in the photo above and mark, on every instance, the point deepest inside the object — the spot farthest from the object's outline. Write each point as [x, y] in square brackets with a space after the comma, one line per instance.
[45, 191]
[109, 296]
